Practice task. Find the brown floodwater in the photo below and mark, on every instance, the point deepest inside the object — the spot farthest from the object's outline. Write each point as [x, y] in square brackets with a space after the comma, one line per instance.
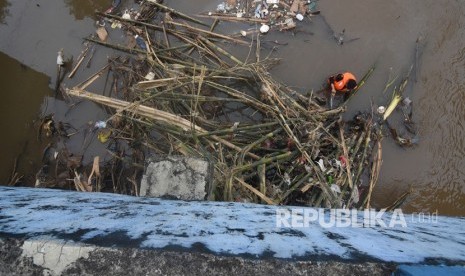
[23, 91]
[31, 32]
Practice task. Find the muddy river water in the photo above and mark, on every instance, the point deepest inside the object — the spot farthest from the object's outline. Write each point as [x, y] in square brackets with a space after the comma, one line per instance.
[32, 31]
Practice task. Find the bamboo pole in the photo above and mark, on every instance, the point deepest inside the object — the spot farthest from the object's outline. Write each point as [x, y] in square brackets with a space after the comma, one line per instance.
[136, 108]
[295, 186]
[257, 142]
[117, 47]
[138, 51]
[93, 78]
[209, 33]
[346, 154]
[78, 64]
[221, 50]
[263, 161]
[255, 191]
[151, 113]
[262, 176]
[233, 18]
[180, 14]
[361, 165]
[375, 170]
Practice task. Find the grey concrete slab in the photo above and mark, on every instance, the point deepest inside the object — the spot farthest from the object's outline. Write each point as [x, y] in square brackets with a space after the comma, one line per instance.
[178, 177]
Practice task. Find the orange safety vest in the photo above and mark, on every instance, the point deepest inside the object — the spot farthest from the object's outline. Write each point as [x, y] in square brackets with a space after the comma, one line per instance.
[341, 85]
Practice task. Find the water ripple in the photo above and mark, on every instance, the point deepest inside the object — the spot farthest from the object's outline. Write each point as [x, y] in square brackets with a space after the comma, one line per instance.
[442, 113]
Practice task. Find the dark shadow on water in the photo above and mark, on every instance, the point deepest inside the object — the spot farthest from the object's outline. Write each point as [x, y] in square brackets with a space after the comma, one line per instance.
[4, 12]
[23, 91]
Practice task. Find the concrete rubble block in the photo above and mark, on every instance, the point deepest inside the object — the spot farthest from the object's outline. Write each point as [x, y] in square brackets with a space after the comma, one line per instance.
[54, 255]
[180, 177]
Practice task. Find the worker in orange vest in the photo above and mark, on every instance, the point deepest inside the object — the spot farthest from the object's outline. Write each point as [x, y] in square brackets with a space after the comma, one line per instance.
[345, 83]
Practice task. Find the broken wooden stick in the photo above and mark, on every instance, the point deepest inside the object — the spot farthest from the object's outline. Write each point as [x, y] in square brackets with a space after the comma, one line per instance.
[80, 60]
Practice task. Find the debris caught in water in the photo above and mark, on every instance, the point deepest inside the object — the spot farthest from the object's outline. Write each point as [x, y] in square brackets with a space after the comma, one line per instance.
[277, 15]
[177, 89]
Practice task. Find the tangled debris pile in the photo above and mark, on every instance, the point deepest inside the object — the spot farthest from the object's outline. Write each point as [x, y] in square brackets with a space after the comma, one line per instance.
[276, 14]
[179, 92]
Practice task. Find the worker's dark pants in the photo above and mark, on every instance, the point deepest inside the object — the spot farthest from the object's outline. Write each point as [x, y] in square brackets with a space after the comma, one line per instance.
[346, 96]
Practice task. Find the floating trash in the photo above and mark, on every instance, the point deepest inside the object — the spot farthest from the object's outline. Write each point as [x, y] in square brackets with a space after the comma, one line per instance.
[381, 109]
[126, 15]
[272, 13]
[150, 76]
[335, 188]
[60, 60]
[264, 29]
[100, 124]
[104, 135]
[407, 101]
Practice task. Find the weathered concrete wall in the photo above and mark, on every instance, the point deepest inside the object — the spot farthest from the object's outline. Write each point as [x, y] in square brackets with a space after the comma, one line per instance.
[73, 231]
[55, 257]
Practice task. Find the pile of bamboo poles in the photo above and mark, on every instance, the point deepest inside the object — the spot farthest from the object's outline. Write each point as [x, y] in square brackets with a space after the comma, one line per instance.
[184, 94]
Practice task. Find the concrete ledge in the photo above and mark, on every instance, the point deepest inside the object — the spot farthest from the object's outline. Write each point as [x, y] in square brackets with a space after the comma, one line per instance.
[88, 233]
[54, 257]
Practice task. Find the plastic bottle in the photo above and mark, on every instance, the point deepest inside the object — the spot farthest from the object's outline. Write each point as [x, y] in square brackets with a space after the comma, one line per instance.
[140, 42]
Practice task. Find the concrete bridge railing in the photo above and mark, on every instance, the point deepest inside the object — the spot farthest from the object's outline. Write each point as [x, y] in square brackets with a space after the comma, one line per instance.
[258, 232]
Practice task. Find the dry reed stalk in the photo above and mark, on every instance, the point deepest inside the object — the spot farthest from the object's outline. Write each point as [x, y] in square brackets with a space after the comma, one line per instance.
[361, 163]
[80, 60]
[398, 202]
[221, 50]
[375, 170]
[261, 170]
[180, 14]
[346, 154]
[255, 191]
[233, 18]
[209, 33]
[93, 78]
[257, 142]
